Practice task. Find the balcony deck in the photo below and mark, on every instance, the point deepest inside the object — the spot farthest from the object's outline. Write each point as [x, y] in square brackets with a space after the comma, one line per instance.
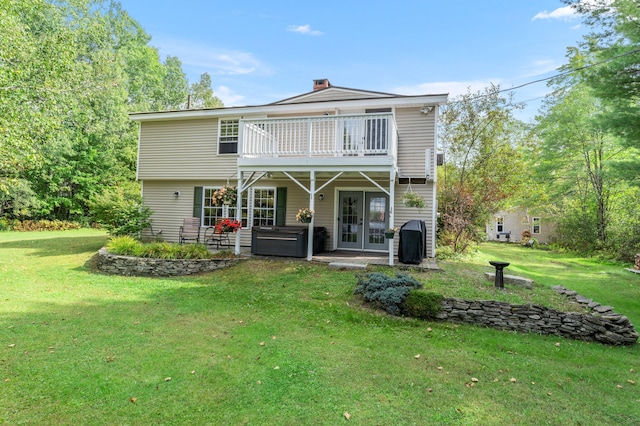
[353, 141]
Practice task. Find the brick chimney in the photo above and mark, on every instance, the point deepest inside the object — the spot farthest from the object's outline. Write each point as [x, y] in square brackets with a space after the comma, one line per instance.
[321, 84]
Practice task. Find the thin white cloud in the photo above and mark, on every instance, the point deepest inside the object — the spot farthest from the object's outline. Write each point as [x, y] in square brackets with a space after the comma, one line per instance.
[566, 13]
[304, 29]
[228, 96]
[453, 88]
[539, 67]
[215, 61]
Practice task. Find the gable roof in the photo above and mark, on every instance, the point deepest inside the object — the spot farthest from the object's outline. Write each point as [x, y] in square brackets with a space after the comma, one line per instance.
[306, 102]
[334, 93]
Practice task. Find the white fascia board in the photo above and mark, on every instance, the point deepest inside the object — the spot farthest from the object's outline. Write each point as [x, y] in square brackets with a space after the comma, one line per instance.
[398, 102]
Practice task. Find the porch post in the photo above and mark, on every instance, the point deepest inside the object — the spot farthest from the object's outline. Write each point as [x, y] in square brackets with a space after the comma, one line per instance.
[239, 212]
[312, 199]
[392, 208]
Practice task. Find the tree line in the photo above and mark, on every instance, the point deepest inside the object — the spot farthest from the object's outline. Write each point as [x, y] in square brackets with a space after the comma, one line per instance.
[578, 163]
[70, 72]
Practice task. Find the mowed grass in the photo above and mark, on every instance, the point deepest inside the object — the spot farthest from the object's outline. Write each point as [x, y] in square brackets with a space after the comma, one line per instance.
[285, 342]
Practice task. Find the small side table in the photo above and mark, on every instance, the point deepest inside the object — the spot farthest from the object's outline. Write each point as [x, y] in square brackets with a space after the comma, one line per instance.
[499, 274]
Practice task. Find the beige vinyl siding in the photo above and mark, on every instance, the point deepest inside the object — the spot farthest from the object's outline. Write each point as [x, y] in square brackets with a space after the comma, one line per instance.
[416, 132]
[404, 214]
[326, 209]
[168, 210]
[182, 150]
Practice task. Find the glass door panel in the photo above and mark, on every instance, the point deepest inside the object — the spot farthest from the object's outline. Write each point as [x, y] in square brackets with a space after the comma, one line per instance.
[350, 220]
[376, 221]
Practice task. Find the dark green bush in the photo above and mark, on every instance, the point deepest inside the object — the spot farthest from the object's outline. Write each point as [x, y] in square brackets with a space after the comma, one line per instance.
[385, 291]
[422, 304]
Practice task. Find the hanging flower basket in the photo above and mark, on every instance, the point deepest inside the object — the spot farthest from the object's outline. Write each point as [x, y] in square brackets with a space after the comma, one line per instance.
[304, 215]
[225, 196]
[410, 199]
[227, 225]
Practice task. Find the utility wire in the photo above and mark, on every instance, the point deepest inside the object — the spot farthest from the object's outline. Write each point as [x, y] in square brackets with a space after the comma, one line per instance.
[556, 75]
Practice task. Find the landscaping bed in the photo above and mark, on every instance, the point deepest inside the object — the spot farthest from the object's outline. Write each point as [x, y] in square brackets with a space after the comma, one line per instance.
[142, 266]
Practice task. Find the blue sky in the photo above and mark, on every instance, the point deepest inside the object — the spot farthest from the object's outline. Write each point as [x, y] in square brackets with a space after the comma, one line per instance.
[259, 52]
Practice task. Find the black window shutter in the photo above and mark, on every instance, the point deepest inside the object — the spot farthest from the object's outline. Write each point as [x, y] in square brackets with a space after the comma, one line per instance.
[197, 201]
[281, 206]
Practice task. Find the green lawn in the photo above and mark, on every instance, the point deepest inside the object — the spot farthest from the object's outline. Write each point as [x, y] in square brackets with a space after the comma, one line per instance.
[285, 342]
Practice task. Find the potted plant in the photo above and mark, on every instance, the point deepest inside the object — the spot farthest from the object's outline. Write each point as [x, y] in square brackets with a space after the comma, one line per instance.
[304, 215]
[226, 195]
[227, 225]
[411, 199]
[391, 232]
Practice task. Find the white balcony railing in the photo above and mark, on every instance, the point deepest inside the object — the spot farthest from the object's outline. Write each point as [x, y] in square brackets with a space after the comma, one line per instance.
[325, 136]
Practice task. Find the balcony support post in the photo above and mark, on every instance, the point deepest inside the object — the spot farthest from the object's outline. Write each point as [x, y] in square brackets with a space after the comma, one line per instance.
[392, 191]
[239, 213]
[312, 198]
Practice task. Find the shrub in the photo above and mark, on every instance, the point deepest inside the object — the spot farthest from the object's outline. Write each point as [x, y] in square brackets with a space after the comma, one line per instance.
[43, 225]
[129, 246]
[7, 224]
[121, 211]
[193, 251]
[422, 304]
[124, 246]
[385, 291]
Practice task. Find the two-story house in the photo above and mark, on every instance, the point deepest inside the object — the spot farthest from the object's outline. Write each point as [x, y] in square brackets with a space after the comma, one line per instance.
[347, 154]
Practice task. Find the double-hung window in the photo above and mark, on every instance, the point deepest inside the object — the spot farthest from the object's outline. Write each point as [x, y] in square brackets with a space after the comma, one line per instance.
[263, 210]
[258, 208]
[229, 135]
[499, 224]
[535, 225]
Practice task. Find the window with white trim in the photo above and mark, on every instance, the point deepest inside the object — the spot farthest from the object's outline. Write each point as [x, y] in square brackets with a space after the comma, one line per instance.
[499, 224]
[535, 225]
[262, 212]
[228, 136]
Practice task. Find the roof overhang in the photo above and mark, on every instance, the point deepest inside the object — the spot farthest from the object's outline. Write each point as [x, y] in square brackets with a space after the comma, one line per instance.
[307, 107]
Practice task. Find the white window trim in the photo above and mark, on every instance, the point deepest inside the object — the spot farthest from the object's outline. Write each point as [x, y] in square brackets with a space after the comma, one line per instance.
[251, 199]
[247, 203]
[533, 225]
[220, 120]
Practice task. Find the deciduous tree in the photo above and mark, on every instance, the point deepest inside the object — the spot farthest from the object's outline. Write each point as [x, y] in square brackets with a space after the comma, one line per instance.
[482, 146]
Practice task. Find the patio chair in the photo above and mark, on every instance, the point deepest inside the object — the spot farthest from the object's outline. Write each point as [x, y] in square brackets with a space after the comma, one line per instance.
[190, 230]
[212, 237]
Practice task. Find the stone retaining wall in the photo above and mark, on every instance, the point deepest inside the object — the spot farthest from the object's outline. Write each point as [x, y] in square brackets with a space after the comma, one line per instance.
[138, 266]
[609, 328]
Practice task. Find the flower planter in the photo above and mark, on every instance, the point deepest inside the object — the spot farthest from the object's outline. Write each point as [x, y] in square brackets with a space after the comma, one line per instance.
[389, 235]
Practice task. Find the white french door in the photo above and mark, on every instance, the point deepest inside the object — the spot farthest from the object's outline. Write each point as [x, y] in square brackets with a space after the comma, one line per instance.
[363, 217]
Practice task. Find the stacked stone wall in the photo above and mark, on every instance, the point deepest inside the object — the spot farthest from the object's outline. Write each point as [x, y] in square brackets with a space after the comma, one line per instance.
[138, 266]
[609, 328]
